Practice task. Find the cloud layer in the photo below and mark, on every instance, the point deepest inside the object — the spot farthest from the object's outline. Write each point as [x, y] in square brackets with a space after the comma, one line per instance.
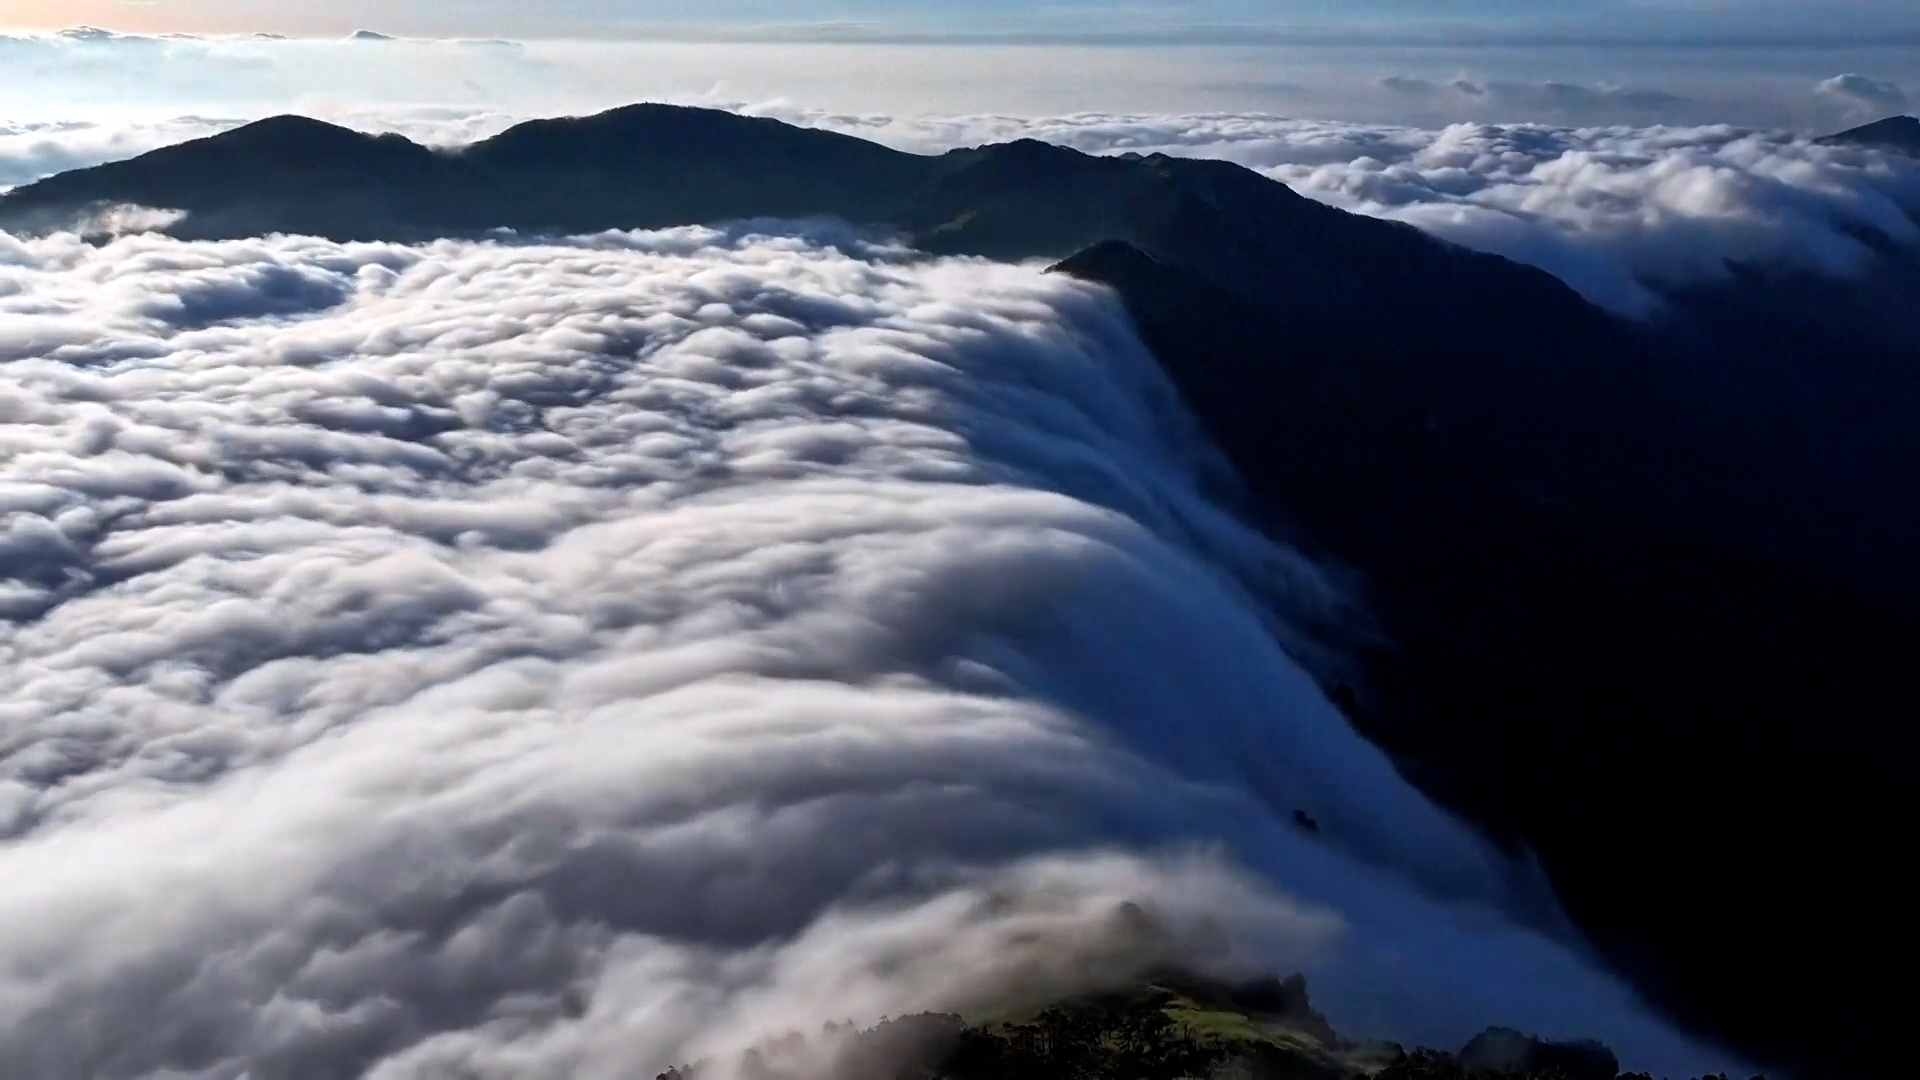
[563, 660]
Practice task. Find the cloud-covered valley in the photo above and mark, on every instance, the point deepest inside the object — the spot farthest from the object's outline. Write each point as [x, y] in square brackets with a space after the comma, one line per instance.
[569, 659]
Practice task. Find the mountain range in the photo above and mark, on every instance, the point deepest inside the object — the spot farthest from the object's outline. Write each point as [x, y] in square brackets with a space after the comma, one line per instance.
[1644, 595]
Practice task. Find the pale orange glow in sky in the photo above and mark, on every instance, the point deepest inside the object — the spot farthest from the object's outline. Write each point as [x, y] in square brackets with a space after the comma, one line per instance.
[150, 16]
[57, 14]
[1872, 24]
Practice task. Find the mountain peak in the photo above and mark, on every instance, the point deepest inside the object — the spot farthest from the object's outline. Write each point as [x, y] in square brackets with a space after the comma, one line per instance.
[1105, 262]
[287, 125]
[656, 120]
[1900, 133]
[282, 174]
[682, 131]
[1035, 148]
[302, 141]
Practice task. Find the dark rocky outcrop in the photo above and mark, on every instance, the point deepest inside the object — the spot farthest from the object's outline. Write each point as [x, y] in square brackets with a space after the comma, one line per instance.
[1164, 1029]
[1503, 1050]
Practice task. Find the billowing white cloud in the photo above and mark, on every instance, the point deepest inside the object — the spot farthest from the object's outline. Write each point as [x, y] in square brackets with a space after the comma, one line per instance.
[563, 660]
[1618, 213]
[1871, 98]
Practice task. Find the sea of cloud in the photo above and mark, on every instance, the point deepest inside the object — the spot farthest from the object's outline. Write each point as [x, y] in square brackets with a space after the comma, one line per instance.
[569, 659]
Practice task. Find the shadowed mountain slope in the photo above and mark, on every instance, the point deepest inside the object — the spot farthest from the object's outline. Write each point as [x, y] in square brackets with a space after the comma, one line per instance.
[1648, 590]
[1668, 722]
[304, 174]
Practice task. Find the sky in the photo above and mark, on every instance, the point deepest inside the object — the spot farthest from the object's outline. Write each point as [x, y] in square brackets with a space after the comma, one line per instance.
[1642, 65]
[1756, 63]
[1797, 22]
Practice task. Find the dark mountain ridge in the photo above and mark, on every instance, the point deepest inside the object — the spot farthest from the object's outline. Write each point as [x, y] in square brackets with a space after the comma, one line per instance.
[1648, 590]
[1900, 133]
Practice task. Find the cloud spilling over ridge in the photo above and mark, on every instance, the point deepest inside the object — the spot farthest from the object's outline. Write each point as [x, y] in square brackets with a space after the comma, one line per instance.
[564, 660]
[1619, 213]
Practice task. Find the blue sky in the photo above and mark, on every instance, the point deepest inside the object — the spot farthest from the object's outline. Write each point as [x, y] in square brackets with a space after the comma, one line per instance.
[1643, 20]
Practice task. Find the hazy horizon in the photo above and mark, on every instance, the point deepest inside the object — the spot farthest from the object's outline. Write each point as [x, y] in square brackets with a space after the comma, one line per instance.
[53, 77]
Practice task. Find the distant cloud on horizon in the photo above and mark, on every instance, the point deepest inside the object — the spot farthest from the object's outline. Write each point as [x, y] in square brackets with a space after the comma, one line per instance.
[1869, 98]
[91, 73]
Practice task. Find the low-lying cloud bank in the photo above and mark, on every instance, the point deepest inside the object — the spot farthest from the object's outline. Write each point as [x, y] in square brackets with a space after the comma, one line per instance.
[1621, 213]
[565, 660]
